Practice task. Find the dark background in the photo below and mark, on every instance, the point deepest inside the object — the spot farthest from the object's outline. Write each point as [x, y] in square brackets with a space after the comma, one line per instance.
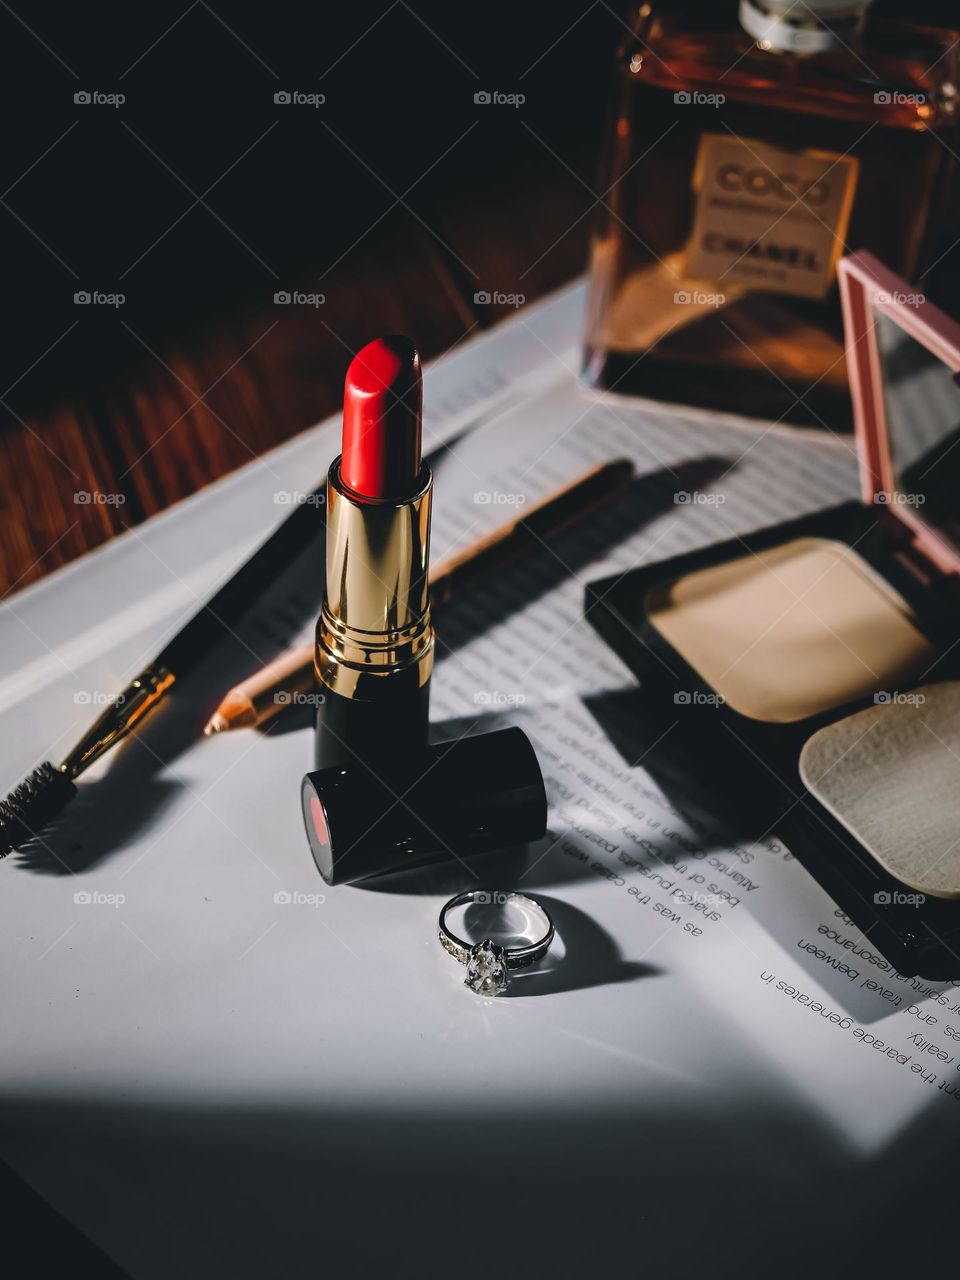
[199, 196]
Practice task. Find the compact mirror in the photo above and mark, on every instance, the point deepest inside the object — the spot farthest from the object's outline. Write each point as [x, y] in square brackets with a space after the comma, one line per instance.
[922, 412]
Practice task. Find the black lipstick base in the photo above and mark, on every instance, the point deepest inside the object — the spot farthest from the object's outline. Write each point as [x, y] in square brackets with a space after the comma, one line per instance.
[379, 734]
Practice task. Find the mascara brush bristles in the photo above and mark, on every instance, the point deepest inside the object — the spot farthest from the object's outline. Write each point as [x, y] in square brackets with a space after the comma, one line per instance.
[30, 807]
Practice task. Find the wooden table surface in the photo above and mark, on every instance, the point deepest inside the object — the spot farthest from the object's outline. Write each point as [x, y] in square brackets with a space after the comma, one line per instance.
[189, 414]
[202, 195]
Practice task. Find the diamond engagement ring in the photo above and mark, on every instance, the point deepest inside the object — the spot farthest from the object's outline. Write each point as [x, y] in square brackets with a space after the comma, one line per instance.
[488, 963]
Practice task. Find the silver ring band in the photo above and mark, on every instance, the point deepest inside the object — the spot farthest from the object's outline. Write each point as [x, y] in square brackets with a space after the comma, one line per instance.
[487, 962]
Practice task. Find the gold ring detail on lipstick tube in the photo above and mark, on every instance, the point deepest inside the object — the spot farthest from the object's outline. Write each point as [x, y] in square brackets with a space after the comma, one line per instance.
[375, 624]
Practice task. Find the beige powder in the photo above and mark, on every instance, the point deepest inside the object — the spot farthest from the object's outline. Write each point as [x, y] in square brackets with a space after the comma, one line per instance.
[891, 776]
[792, 631]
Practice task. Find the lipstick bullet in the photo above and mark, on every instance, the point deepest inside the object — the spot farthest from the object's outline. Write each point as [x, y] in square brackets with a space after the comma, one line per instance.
[374, 642]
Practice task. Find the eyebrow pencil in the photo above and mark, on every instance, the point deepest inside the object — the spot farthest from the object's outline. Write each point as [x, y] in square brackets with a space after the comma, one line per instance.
[49, 788]
[374, 642]
[290, 676]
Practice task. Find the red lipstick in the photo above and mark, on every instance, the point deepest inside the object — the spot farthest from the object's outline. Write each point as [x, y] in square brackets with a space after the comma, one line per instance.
[382, 406]
[374, 645]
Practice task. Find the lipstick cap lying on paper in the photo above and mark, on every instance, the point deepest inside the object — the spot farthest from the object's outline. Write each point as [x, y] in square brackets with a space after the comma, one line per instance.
[454, 800]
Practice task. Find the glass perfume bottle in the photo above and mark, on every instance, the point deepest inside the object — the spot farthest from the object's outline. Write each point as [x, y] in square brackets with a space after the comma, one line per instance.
[753, 144]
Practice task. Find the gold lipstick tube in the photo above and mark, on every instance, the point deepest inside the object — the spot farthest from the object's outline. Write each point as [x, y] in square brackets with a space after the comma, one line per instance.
[374, 643]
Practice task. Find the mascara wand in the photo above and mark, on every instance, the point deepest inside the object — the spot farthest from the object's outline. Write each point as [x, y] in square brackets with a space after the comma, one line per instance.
[42, 795]
[50, 788]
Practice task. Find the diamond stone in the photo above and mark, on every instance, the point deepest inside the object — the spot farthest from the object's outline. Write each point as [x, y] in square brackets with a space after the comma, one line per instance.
[486, 969]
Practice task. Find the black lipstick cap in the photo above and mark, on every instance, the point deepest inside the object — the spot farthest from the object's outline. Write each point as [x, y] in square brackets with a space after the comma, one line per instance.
[454, 799]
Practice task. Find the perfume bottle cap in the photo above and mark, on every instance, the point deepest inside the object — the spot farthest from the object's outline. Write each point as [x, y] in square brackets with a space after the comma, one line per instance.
[800, 26]
[453, 800]
[807, 11]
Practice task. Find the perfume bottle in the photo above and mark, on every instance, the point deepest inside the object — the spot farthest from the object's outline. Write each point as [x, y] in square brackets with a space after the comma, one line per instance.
[753, 144]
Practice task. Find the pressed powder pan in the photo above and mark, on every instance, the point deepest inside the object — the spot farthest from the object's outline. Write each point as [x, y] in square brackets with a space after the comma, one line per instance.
[792, 631]
[891, 775]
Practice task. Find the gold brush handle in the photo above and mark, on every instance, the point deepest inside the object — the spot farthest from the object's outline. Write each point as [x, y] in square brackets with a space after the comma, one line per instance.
[119, 719]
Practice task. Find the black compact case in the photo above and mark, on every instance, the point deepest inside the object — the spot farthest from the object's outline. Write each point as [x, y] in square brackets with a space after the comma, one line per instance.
[753, 765]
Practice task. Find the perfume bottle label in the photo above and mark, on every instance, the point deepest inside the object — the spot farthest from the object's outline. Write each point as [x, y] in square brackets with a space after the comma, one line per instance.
[769, 219]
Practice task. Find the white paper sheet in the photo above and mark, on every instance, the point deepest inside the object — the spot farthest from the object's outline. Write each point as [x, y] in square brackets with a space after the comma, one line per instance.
[212, 1080]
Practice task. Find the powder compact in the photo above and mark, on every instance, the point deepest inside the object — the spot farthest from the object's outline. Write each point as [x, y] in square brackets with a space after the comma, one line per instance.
[813, 669]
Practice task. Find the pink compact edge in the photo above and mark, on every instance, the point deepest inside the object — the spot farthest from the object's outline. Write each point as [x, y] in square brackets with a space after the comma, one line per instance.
[866, 283]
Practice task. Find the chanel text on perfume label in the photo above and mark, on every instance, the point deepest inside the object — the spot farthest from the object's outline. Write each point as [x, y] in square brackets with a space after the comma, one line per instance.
[768, 218]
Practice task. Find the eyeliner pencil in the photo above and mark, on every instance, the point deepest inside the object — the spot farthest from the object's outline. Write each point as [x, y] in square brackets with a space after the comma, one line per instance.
[50, 787]
[290, 677]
